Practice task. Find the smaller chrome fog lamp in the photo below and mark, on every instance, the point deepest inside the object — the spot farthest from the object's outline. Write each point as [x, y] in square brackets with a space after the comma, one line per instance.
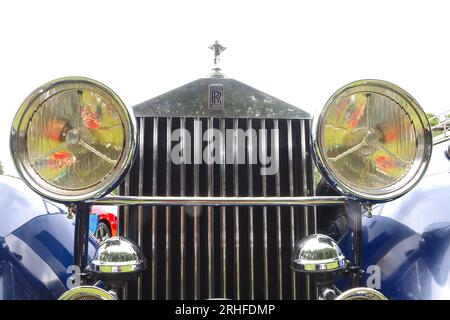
[117, 260]
[87, 293]
[317, 253]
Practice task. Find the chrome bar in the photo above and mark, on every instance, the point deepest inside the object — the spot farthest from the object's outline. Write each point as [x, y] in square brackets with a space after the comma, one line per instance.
[237, 276]
[263, 146]
[304, 172]
[197, 159]
[221, 201]
[126, 217]
[276, 158]
[250, 213]
[154, 209]
[140, 226]
[183, 213]
[168, 209]
[126, 210]
[313, 192]
[305, 191]
[291, 209]
[210, 214]
[223, 233]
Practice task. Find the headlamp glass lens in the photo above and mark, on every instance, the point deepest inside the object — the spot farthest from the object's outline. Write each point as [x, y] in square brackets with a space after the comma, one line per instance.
[75, 139]
[369, 141]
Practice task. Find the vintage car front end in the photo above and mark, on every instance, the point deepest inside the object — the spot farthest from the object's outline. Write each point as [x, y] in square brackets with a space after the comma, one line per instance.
[216, 189]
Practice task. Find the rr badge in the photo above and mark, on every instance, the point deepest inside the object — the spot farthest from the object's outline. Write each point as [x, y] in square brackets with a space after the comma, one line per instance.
[215, 97]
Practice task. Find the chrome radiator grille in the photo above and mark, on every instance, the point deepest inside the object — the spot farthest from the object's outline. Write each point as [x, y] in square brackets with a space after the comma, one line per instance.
[213, 252]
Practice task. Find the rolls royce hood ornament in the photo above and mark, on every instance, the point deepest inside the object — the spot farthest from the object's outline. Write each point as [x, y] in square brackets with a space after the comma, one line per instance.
[218, 49]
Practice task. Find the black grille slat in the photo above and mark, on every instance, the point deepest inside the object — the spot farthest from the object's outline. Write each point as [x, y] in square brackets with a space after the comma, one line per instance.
[227, 257]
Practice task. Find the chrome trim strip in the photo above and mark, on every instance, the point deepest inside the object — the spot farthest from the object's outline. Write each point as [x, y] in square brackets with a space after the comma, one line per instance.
[141, 193]
[168, 209]
[223, 233]
[183, 214]
[276, 157]
[304, 173]
[263, 140]
[126, 216]
[221, 201]
[126, 210]
[250, 213]
[291, 208]
[313, 191]
[154, 209]
[305, 191]
[237, 274]
[210, 215]
[197, 154]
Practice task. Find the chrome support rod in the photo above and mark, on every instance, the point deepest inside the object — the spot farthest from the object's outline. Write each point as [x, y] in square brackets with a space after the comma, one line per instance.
[223, 221]
[168, 211]
[237, 275]
[250, 213]
[210, 214]
[154, 209]
[314, 212]
[141, 193]
[220, 201]
[276, 157]
[305, 191]
[291, 209]
[126, 210]
[304, 173]
[263, 139]
[183, 213]
[197, 156]
[126, 218]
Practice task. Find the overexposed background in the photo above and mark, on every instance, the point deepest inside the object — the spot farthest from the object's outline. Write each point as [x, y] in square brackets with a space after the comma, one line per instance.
[298, 51]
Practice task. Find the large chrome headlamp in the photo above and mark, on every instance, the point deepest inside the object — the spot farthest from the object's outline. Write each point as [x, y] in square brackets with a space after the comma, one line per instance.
[73, 139]
[372, 141]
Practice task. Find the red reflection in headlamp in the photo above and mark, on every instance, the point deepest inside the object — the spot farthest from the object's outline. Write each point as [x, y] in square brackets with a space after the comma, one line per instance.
[90, 119]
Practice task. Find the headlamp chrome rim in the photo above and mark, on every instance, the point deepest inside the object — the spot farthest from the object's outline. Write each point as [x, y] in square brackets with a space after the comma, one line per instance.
[361, 293]
[415, 173]
[18, 142]
[87, 291]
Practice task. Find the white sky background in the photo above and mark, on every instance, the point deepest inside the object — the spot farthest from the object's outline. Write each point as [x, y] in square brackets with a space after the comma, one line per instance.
[299, 52]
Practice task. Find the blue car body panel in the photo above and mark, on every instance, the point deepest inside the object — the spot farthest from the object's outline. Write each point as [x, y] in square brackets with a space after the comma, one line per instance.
[408, 239]
[36, 244]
